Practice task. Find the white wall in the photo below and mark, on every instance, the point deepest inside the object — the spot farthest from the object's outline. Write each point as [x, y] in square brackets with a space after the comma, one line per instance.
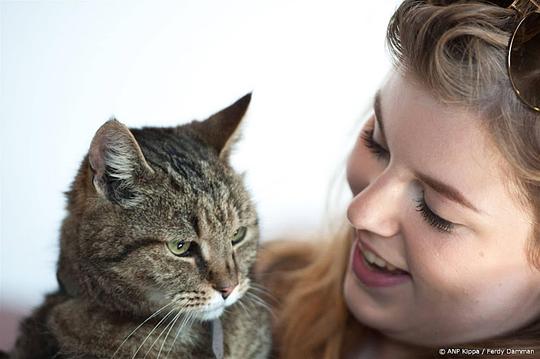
[67, 66]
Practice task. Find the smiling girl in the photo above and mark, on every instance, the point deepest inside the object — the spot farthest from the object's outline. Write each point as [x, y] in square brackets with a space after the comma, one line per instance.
[443, 236]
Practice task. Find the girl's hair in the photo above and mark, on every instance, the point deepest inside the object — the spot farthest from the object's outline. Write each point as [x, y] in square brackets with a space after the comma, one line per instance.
[457, 50]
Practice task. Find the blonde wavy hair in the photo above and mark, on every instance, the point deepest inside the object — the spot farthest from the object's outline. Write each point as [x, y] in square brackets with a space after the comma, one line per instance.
[457, 50]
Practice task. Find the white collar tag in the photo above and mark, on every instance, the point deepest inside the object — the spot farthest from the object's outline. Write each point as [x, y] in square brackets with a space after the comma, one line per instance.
[217, 338]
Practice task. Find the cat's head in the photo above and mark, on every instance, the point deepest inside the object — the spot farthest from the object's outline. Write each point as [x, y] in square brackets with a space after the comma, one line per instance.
[158, 216]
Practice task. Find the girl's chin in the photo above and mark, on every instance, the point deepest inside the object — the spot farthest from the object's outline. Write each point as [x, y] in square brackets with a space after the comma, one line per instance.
[376, 311]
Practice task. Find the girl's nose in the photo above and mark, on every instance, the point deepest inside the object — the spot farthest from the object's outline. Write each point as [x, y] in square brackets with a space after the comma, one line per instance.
[377, 207]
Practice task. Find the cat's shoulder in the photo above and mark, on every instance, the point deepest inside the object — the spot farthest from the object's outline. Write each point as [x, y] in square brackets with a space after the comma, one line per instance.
[35, 340]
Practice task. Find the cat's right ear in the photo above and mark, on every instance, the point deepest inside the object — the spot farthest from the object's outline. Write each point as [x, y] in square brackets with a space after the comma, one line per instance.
[220, 131]
[117, 161]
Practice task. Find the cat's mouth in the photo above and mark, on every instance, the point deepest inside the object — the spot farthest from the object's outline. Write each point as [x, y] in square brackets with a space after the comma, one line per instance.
[209, 306]
[216, 306]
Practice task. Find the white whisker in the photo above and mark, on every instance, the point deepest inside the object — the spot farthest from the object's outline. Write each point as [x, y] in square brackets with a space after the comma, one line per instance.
[140, 325]
[243, 306]
[260, 302]
[166, 336]
[260, 288]
[184, 322]
[155, 327]
[159, 336]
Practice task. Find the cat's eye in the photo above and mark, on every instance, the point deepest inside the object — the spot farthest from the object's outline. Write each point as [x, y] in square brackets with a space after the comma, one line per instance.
[239, 235]
[179, 247]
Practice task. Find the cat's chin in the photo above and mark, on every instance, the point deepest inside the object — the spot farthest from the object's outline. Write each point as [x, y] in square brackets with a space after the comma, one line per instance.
[212, 314]
[216, 306]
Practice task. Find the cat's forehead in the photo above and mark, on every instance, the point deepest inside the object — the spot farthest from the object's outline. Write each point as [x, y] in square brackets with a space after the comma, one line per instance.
[193, 183]
[180, 149]
[189, 162]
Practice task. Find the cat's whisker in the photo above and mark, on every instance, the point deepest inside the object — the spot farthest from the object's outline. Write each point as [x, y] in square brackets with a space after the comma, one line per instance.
[260, 302]
[166, 336]
[258, 299]
[152, 331]
[184, 321]
[140, 325]
[260, 289]
[159, 336]
[264, 305]
[244, 307]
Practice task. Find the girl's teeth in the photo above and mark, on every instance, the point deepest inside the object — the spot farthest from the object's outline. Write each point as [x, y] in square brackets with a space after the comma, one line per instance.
[374, 259]
[380, 262]
[369, 256]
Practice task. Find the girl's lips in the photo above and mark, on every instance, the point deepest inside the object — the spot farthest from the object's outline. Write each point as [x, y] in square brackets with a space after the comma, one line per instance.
[371, 277]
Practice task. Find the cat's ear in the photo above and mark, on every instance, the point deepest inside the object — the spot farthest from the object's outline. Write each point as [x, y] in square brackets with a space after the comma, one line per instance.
[117, 161]
[220, 130]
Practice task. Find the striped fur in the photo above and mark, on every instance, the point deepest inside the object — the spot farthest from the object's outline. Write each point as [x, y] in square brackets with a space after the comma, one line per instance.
[135, 191]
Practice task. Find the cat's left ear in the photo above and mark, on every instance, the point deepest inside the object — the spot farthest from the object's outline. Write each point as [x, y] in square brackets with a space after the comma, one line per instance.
[220, 130]
[117, 163]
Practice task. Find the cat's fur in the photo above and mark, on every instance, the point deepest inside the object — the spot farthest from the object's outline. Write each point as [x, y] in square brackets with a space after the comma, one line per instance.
[136, 190]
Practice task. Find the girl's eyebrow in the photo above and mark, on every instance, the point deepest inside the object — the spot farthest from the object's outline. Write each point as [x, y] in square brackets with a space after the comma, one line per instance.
[446, 190]
[438, 186]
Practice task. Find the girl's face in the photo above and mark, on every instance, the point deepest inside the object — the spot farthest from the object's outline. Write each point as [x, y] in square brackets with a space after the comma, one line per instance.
[430, 197]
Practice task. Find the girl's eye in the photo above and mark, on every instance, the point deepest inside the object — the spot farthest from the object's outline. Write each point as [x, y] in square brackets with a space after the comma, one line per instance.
[431, 218]
[374, 147]
[239, 235]
[179, 248]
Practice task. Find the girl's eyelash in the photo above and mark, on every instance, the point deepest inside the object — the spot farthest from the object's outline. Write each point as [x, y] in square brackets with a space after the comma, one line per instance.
[374, 147]
[434, 220]
[430, 217]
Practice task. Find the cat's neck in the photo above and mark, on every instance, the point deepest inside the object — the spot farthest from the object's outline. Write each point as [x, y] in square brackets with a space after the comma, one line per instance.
[112, 330]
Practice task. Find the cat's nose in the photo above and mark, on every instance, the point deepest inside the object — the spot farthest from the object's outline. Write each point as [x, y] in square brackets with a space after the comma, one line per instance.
[225, 291]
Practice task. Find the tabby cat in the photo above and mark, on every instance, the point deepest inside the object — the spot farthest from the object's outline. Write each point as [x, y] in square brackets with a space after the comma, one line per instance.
[156, 251]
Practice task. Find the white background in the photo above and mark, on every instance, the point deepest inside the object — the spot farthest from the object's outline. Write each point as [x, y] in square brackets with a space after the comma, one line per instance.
[67, 66]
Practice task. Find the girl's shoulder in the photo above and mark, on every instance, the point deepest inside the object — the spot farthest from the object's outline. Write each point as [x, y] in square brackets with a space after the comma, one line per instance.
[280, 262]
[284, 255]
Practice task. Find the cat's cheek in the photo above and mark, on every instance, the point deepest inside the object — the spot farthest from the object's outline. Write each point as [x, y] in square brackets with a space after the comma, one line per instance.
[155, 297]
[245, 257]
